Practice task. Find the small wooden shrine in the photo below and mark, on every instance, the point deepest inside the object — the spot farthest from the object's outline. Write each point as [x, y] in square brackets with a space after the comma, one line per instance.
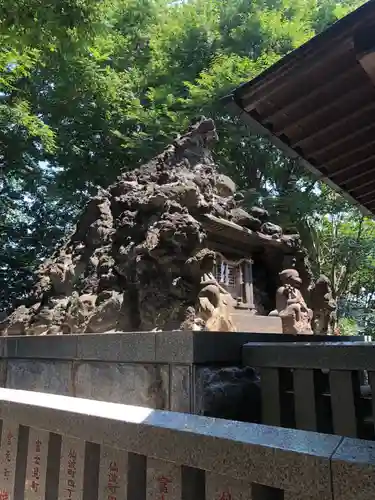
[247, 266]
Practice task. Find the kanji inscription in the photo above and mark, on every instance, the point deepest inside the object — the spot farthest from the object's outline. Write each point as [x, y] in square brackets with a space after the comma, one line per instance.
[71, 469]
[35, 484]
[226, 488]
[113, 474]
[163, 480]
[8, 456]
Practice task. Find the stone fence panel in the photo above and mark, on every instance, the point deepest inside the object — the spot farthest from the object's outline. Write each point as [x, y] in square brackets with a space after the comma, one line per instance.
[324, 387]
[64, 448]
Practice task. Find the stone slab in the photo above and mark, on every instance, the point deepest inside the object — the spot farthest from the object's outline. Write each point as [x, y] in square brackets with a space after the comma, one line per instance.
[320, 355]
[202, 347]
[37, 375]
[113, 474]
[162, 384]
[353, 470]
[245, 321]
[8, 457]
[181, 388]
[132, 384]
[136, 347]
[71, 469]
[163, 480]
[46, 346]
[287, 459]
[220, 347]
[173, 348]
[226, 488]
[3, 372]
[2, 346]
[36, 468]
[162, 347]
[9, 347]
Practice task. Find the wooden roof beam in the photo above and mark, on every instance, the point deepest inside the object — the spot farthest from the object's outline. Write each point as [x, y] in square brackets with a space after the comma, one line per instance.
[363, 197]
[324, 130]
[344, 161]
[359, 133]
[358, 187]
[259, 129]
[300, 69]
[326, 91]
[371, 206]
[299, 61]
[342, 104]
[368, 161]
[351, 178]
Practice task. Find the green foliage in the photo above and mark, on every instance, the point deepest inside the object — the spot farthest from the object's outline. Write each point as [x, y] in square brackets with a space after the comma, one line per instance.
[348, 326]
[346, 251]
[89, 88]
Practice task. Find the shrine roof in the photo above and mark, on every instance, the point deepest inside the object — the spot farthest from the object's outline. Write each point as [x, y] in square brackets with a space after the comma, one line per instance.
[239, 237]
[318, 105]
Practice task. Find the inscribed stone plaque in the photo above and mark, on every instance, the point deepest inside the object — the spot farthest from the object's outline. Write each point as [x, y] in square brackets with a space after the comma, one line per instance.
[36, 469]
[71, 469]
[9, 442]
[225, 488]
[113, 472]
[163, 480]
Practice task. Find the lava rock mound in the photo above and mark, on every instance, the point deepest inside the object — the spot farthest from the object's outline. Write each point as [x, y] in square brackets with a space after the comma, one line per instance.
[138, 255]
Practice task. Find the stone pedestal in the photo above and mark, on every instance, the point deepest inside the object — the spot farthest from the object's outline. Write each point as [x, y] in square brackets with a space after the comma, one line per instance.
[246, 321]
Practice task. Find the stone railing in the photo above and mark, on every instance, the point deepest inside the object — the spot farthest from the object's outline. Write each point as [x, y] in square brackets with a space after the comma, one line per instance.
[160, 370]
[318, 387]
[59, 447]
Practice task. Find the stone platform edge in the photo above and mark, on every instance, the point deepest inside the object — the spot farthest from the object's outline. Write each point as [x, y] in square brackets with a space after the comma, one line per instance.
[179, 347]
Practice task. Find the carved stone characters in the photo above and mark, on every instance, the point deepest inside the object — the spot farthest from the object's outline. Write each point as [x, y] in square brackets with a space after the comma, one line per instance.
[324, 307]
[290, 305]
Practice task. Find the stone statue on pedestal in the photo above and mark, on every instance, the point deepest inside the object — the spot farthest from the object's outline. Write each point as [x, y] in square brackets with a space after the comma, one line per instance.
[291, 307]
[324, 307]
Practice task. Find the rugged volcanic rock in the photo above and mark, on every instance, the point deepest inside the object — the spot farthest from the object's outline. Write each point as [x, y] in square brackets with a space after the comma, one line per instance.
[231, 393]
[138, 259]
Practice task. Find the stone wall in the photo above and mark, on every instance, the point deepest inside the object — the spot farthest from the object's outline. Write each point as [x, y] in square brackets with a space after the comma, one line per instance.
[163, 370]
[55, 447]
[192, 372]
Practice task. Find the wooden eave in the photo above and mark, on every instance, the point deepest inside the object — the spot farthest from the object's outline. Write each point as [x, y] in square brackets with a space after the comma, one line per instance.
[318, 105]
[240, 239]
